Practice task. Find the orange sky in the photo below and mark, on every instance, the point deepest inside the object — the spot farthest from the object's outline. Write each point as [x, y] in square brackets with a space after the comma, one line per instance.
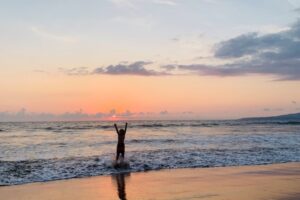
[211, 97]
[210, 50]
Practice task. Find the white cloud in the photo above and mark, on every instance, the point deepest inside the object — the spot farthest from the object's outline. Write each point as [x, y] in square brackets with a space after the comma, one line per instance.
[134, 3]
[124, 3]
[141, 22]
[51, 36]
[166, 2]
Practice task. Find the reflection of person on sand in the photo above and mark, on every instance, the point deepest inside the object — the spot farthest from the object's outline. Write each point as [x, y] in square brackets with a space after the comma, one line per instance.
[121, 145]
[121, 183]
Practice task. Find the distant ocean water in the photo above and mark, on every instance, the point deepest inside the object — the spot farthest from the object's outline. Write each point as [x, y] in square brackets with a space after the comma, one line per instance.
[44, 151]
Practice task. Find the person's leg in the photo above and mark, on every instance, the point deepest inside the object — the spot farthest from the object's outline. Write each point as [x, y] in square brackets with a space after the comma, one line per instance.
[123, 154]
[117, 156]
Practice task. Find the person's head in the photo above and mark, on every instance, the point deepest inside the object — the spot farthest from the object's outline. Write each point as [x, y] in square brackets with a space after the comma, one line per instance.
[122, 131]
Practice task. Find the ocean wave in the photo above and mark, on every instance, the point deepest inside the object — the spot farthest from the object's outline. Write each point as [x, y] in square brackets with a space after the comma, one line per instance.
[268, 122]
[39, 170]
[79, 127]
[289, 123]
[71, 127]
[74, 128]
[154, 141]
[170, 125]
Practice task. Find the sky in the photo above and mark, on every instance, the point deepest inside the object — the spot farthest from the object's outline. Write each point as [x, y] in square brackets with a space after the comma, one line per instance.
[148, 59]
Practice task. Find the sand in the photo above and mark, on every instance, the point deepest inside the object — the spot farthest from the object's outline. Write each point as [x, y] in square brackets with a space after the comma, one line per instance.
[263, 182]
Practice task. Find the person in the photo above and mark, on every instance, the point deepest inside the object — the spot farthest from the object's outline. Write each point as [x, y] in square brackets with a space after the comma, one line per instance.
[121, 145]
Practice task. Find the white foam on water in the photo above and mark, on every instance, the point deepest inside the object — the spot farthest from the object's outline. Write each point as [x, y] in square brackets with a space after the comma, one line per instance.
[120, 164]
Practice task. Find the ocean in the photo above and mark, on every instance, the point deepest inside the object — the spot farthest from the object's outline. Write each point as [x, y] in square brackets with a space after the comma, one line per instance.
[45, 151]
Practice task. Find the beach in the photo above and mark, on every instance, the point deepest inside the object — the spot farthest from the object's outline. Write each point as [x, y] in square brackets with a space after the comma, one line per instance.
[276, 181]
[150, 99]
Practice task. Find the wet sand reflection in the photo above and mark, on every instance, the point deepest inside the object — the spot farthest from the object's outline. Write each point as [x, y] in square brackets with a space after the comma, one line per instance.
[119, 181]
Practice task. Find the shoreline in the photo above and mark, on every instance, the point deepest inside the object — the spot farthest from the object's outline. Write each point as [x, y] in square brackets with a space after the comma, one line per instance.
[146, 171]
[276, 181]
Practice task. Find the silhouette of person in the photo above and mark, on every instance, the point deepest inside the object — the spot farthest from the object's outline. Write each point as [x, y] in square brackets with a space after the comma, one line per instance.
[121, 145]
[121, 184]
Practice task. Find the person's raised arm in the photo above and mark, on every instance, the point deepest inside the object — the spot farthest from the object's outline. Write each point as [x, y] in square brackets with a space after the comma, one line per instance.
[116, 128]
[125, 127]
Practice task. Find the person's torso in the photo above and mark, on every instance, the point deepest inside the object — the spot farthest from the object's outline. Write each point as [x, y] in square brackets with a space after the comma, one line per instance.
[121, 138]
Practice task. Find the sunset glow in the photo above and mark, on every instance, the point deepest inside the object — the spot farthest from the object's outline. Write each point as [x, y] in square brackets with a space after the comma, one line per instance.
[131, 57]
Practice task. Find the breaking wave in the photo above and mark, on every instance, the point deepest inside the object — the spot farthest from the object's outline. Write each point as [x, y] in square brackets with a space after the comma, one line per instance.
[26, 171]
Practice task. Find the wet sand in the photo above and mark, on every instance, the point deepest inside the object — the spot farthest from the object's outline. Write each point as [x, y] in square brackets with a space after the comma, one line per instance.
[278, 181]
